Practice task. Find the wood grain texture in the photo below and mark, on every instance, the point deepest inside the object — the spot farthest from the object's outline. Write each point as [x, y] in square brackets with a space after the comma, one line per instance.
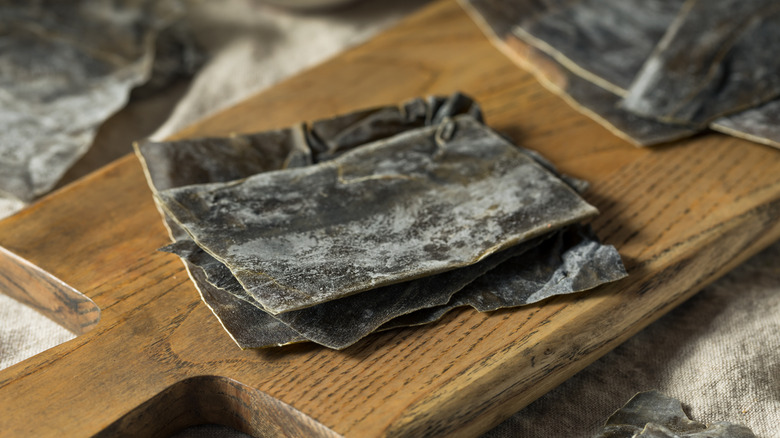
[681, 216]
[29, 284]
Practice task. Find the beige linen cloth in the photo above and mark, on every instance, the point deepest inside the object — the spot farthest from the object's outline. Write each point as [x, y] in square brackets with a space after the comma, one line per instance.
[719, 353]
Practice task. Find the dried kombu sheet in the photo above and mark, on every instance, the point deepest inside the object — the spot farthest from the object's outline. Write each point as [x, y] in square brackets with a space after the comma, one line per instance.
[419, 203]
[178, 163]
[760, 124]
[591, 52]
[220, 159]
[340, 323]
[605, 41]
[334, 324]
[572, 260]
[595, 101]
[329, 138]
[64, 68]
[716, 58]
[602, 105]
[337, 323]
[653, 415]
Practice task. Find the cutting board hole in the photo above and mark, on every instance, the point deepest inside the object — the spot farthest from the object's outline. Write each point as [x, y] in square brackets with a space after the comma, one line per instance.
[215, 400]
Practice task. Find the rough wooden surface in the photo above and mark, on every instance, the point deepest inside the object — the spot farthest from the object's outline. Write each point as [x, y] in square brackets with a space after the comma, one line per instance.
[681, 215]
[31, 285]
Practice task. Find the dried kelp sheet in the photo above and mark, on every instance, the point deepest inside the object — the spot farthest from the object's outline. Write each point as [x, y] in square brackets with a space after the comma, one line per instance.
[594, 49]
[760, 124]
[220, 159]
[654, 415]
[604, 41]
[601, 105]
[64, 68]
[336, 324]
[503, 25]
[419, 203]
[717, 58]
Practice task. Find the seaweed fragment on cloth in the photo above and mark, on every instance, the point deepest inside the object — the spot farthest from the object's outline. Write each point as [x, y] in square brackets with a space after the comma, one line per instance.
[651, 414]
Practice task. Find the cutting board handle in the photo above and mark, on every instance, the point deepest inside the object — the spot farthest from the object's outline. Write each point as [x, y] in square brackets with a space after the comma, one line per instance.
[31, 285]
[189, 402]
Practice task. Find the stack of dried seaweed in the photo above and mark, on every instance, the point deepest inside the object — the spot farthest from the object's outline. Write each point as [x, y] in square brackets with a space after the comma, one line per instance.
[377, 219]
[652, 71]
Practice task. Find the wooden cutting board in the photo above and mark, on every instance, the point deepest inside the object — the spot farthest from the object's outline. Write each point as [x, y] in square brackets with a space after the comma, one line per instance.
[157, 360]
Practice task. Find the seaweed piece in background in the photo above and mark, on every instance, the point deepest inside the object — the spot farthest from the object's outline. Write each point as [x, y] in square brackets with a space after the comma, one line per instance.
[64, 69]
[604, 41]
[585, 52]
[596, 102]
[653, 415]
[760, 124]
[717, 58]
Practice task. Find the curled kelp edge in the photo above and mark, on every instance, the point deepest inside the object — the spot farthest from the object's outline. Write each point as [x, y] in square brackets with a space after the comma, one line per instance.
[573, 260]
[335, 324]
[285, 335]
[247, 324]
[652, 414]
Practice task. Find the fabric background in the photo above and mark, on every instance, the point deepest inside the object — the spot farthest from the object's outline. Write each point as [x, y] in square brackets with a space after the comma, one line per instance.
[719, 353]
